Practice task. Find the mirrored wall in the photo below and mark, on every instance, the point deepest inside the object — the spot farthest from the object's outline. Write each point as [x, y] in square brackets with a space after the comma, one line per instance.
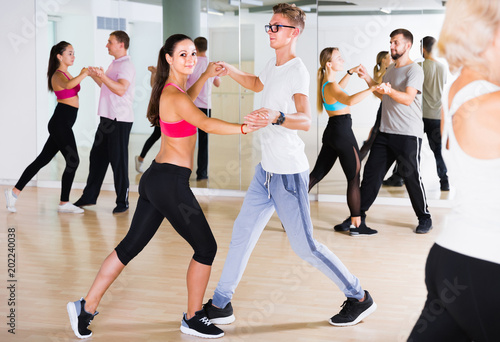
[235, 32]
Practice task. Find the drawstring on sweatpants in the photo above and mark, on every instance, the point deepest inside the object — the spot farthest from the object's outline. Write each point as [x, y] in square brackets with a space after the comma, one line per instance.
[266, 183]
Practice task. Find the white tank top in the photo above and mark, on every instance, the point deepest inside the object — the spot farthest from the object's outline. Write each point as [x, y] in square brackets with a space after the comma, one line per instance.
[473, 227]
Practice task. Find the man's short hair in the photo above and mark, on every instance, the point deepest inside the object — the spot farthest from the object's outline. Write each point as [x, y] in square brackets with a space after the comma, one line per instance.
[121, 37]
[406, 34]
[427, 43]
[293, 13]
[201, 44]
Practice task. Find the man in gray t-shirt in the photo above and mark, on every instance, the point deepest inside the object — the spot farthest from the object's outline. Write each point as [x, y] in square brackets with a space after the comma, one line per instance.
[401, 130]
[434, 80]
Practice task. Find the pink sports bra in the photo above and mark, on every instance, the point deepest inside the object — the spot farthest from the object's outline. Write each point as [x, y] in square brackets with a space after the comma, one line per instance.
[179, 129]
[67, 93]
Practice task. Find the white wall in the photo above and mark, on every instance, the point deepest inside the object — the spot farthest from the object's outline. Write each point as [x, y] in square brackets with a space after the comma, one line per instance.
[17, 88]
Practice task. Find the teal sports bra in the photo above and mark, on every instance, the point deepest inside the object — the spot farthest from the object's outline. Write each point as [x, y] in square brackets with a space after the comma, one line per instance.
[335, 106]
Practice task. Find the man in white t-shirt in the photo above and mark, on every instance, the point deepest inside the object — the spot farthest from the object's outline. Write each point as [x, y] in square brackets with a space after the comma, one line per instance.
[281, 179]
[203, 102]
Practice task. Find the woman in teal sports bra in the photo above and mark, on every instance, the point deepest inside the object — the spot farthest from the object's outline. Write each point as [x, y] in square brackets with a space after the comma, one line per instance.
[338, 138]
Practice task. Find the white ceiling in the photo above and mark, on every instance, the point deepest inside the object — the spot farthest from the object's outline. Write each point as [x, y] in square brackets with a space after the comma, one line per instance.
[324, 5]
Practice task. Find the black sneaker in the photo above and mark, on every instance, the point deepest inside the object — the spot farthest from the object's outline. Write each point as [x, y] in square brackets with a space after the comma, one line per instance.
[424, 226]
[362, 230]
[344, 226]
[120, 209]
[199, 325]
[79, 318]
[394, 180]
[353, 311]
[445, 185]
[82, 203]
[219, 316]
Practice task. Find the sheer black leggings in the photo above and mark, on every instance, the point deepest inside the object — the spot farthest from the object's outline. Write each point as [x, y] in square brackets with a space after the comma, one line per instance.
[61, 139]
[339, 142]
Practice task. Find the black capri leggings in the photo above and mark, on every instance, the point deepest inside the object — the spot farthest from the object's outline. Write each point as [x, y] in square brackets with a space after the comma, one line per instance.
[61, 139]
[462, 299]
[151, 141]
[339, 142]
[164, 193]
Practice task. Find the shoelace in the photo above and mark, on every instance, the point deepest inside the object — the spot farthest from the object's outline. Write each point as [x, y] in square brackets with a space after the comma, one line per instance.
[90, 319]
[345, 307]
[205, 321]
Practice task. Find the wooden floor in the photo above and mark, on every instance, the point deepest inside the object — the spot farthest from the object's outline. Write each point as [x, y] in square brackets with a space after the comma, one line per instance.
[280, 298]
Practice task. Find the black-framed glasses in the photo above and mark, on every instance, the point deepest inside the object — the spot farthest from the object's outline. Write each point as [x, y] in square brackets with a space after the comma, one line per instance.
[275, 28]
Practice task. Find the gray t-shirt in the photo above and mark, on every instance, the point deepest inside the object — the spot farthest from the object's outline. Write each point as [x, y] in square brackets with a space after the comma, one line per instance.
[398, 118]
[434, 80]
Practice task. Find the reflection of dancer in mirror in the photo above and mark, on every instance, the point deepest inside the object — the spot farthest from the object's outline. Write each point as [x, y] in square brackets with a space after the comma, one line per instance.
[383, 61]
[401, 130]
[203, 102]
[338, 138]
[61, 137]
[152, 138]
[281, 179]
[164, 189]
[462, 272]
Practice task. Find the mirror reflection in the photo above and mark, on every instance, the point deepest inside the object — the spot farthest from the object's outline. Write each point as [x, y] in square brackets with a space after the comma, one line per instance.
[235, 34]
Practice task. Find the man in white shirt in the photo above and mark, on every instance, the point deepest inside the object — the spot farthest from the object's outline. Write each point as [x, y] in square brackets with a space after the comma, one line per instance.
[281, 179]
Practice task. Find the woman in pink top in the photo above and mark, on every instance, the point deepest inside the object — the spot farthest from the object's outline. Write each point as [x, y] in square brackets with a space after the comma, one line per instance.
[61, 136]
[164, 190]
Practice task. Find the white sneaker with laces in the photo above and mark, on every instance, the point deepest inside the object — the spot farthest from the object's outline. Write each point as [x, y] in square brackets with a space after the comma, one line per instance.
[138, 165]
[70, 208]
[10, 201]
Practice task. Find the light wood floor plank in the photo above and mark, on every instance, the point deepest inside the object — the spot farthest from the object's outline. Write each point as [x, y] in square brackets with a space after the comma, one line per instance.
[280, 298]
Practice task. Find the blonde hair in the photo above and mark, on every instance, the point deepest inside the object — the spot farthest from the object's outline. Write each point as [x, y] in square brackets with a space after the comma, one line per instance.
[293, 13]
[324, 57]
[377, 68]
[469, 28]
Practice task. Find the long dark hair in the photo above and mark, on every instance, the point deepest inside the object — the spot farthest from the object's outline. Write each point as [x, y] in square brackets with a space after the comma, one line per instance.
[162, 72]
[54, 63]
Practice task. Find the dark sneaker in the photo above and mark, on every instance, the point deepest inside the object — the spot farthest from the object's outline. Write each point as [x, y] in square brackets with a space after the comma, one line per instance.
[445, 185]
[199, 325]
[353, 311]
[424, 226]
[120, 209]
[362, 230]
[82, 203]
[219, 316]
[79, 318]
[393, 180]
[344, 226]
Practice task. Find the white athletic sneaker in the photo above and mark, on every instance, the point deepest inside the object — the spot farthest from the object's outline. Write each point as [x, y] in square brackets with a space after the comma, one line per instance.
[10, 201]
[70, 208]
[138, 165]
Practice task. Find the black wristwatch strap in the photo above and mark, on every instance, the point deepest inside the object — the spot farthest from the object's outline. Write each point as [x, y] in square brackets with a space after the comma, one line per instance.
[349, 72]
[280, 119]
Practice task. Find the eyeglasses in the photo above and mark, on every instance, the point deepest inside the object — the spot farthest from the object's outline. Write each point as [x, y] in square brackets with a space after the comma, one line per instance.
[275, 28]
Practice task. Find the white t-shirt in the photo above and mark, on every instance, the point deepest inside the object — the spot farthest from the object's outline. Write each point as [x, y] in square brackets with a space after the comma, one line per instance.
[282, 148]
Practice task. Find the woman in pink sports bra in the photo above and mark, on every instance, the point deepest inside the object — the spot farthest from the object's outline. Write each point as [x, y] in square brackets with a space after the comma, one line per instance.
[61, 136]
[164, 190]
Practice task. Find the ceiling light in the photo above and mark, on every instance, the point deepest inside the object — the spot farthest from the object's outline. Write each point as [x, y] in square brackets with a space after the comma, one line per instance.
[385, 10]
[215, 12]
[253, 2]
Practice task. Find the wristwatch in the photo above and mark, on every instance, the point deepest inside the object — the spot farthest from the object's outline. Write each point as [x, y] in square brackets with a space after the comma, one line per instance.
[280, 119]
[349, 72]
